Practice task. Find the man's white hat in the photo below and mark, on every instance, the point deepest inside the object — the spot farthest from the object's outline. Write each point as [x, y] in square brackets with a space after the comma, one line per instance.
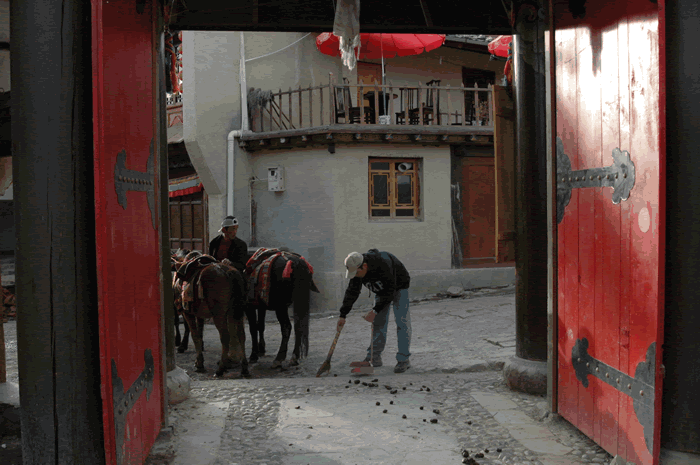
[352, 263]
[228, 221]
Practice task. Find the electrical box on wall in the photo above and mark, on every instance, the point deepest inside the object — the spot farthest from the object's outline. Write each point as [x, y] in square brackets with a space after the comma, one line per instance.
[275, 178]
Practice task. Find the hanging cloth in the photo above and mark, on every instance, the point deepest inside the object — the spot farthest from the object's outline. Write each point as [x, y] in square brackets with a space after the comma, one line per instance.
[347, 27]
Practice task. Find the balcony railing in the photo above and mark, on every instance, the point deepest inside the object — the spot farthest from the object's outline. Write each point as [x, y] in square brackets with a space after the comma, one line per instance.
[334, 104]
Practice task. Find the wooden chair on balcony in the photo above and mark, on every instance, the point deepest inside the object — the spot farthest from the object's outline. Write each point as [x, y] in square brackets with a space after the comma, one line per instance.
[344, 109]
[428, 111]
[411, 98]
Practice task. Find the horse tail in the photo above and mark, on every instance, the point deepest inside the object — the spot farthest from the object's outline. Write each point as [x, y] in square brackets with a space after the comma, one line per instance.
[238, 288]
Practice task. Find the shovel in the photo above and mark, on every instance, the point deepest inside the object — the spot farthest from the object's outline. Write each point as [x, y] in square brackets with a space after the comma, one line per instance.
[326, 366]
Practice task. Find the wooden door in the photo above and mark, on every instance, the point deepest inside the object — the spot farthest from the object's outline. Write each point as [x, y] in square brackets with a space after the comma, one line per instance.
[479, 210]
[126, 226]
[610, 237]
[188, 222]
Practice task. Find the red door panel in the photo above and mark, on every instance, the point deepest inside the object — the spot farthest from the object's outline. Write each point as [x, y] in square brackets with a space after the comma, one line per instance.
[126, 227]
[479, 207]
[610, 256]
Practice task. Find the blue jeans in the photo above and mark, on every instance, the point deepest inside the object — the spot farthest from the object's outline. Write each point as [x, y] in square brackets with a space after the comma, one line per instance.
[403, 327]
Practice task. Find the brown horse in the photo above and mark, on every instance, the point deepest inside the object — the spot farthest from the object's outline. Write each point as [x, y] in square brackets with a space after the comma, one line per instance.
[177, 258]
[223, 290]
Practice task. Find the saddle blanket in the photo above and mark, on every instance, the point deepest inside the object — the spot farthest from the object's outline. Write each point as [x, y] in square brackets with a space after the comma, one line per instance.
[258, 271]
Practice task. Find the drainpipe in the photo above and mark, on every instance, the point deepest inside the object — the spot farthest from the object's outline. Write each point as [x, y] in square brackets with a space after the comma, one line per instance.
[237, 133]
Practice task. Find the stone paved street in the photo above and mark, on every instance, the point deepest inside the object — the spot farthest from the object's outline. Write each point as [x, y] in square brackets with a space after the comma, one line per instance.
[453, 398]
[291, 417]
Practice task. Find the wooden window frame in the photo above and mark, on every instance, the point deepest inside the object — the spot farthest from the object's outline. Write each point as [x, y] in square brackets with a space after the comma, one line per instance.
[392, 174]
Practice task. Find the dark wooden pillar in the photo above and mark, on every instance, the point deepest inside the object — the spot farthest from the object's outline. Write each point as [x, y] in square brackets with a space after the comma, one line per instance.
[167, 294]
[680, 421]
[527, 371]
[57, 326]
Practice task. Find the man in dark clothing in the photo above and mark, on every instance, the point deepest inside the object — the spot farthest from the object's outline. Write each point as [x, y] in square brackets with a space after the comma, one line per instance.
[383, 274]
[227, 245]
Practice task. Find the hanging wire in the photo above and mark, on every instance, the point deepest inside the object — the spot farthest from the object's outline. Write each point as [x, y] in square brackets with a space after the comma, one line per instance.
[277, 51]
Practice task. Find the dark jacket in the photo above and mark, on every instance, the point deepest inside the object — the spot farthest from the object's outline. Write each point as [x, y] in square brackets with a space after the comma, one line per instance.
[385, 275]
[237, 252]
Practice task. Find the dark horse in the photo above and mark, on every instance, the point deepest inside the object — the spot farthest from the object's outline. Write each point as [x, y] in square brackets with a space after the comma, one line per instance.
[283, 292]
[223, 289]
[177, 258]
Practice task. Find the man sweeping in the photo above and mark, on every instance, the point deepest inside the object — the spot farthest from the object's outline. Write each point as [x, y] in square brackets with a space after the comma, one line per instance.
[385, 275]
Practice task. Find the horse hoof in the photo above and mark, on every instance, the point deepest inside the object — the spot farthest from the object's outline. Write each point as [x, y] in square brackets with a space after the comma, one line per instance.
[245, 374]
[219, 373]
[200, 369]
[276, 364]
[181, 350]
[253, 358]
[294, 362]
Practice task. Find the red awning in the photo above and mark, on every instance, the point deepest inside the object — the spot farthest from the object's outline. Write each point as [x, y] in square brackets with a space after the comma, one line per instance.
[184, 186]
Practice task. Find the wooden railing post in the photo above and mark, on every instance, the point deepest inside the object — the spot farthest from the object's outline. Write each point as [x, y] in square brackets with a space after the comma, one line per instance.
[464, 105]
[477, 108]
[320, 104]
[376, 102]
[436, 109]
[420, 105]
[490, 105]
[291, 111]
[331, 100]
[361, 102]
[301, 122]
[392, 114]
[311, 106]
[449, 108]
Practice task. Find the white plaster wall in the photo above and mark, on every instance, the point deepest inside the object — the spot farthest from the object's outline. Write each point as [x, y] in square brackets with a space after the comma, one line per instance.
[323, 214]
[302, 216]
[325, 204]
[420, 244]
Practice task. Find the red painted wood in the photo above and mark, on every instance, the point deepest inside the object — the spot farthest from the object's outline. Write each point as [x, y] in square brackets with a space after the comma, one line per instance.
[625, 403]
[608, 230]
[479, 203]
[567, 122]
[611, 291]
[588, 96]
[127, 242]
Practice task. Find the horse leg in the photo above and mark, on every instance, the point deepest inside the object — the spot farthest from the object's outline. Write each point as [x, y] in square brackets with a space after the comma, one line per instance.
[191, 322]
[182, 342]
[261, 330]
[286, 327]
[178, 337]
[301, 321]
[237, 330]
[221, 323]
[253, 327]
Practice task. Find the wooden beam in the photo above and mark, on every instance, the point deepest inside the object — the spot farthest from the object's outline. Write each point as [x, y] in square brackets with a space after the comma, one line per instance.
[426, 13]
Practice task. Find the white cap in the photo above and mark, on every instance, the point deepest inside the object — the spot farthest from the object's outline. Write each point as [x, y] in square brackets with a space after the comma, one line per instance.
[352, 263]
[228, 221]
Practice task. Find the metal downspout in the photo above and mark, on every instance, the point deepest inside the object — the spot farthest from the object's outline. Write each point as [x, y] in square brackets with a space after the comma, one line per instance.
[237, 133]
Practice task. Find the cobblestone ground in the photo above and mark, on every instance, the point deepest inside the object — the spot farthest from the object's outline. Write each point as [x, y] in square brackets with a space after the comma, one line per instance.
[256, 426]
[473, 332]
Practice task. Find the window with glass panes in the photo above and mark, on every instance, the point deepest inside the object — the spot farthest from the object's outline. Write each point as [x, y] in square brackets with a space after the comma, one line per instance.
[393, 188]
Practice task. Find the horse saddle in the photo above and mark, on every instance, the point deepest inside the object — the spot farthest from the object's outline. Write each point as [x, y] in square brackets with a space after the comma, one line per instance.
[191, 268]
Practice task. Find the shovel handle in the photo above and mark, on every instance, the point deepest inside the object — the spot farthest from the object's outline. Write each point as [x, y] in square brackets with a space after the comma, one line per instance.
[335, 341]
